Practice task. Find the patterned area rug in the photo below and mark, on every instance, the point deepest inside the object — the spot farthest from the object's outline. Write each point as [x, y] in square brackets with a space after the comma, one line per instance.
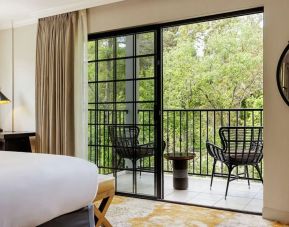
[125, 211]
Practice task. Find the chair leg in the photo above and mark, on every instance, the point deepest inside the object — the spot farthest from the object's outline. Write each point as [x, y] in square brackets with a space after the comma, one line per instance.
[213, 172]
[228, 180]
[259, 172]
[247, 174]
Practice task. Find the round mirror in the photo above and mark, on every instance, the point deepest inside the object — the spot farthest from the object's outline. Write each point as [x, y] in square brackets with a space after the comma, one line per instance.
[283, 75]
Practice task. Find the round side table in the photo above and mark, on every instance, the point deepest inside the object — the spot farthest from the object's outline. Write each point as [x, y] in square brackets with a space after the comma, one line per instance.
[180, 168]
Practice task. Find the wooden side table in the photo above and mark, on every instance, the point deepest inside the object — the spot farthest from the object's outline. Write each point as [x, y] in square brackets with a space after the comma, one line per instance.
[180, 168]
[15, 141]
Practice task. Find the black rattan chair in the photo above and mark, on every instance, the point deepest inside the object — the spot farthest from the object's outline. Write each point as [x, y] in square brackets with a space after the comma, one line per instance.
[125, 144]
[241, 146]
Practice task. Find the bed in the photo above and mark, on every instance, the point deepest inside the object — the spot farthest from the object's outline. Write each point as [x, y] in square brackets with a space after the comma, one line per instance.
[41, 189]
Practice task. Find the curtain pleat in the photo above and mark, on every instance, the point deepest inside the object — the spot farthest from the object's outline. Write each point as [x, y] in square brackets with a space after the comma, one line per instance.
[55, 58]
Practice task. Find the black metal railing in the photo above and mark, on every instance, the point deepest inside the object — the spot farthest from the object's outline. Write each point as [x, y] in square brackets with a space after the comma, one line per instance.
[183, 131]
[99, 145]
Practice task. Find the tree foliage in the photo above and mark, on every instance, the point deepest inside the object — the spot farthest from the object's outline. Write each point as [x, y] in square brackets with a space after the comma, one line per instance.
[216, 64]
[210, 65]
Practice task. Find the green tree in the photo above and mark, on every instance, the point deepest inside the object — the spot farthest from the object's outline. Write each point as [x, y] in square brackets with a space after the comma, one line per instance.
[216, 64]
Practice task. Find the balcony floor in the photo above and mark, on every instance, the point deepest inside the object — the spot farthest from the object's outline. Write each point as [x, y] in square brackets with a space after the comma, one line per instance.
[240, 196]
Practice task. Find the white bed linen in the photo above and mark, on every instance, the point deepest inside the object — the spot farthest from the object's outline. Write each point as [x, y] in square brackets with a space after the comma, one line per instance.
[35, 188]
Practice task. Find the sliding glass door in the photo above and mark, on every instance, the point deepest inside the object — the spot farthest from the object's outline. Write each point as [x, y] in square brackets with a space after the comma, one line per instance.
[152, 92]
[123, 102]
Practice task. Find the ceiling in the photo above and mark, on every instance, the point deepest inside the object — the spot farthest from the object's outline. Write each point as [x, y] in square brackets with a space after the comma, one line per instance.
[22, 12]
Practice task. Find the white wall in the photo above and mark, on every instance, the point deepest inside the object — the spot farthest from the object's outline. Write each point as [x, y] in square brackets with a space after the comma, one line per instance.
[24, 77]
[131, 13]
[6, 78]
[139, 12]
[276, 114]
[24, 97]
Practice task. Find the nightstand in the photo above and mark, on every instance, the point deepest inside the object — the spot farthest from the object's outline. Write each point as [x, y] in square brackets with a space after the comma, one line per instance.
[15, 141]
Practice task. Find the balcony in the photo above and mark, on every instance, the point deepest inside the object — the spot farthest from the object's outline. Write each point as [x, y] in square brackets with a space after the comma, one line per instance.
[240, 196]
[183, 131]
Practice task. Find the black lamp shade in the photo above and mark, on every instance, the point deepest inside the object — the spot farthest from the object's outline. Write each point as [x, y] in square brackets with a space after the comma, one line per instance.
[3, 99]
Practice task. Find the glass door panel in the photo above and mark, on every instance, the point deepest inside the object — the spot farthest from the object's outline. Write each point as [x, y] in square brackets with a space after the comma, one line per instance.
[122, 80]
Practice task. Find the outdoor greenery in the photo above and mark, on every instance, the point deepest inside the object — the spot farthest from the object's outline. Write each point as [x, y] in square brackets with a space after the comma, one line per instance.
[216, 64]
[207, 66]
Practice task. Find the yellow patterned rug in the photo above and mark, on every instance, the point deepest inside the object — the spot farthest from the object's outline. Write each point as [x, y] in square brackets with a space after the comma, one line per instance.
[126, 212]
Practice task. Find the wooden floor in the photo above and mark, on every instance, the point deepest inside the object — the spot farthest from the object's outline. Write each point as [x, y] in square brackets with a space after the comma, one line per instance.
[240, 197]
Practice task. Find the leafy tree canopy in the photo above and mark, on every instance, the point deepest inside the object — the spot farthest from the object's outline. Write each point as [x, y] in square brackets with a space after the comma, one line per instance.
[216, 64]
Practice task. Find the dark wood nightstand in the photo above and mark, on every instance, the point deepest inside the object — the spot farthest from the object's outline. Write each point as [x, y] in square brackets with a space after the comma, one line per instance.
[15, 141]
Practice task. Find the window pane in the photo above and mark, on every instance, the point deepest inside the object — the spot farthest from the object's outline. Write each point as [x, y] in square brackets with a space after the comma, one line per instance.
[91, 93]
[124, 91]
[105, 106]
[91, 106]
[145, 43]
[121, 107]
[105, 70]
[145, 67]
[105, 48]
[91, 116]
[146, 106]
[91, 129]
[146, 134]
[91, 71]
[146, 90]
[121, 114]
[124, 69]
[121, 91]
[124, 46]
[91, 50]
[105, 92]
[145, 116]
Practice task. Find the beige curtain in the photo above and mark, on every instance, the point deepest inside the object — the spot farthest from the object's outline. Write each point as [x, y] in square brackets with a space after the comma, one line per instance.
[55, 72]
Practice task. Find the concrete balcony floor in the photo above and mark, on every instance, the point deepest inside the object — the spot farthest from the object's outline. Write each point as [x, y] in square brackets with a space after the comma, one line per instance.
[240, 196]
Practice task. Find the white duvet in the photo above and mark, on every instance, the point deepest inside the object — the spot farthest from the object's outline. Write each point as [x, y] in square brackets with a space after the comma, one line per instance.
[35, 188]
